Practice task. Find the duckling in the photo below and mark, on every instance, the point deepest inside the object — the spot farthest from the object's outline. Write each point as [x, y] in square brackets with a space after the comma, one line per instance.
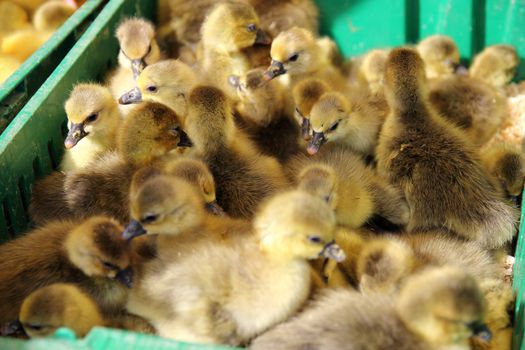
[59, 305]
[263, 116]
[442, 179]
[496, 65]
[289, 229]
[298, 53]
[507, 165]
[351, 122]
[13, 17]
[23, 43]
[440, 54]
[66, 305]
[305, 94]
[197, 173]
[89, 253]
[243, 176]
[167, 82]
[356, 193]
[372, 69]
[150, 131]
[93, 120]
[29, 5]
[439, 309]
[52, 14]
[187, 18]
[229, 28]
[472, 105]
[279, 16]
[48, 200]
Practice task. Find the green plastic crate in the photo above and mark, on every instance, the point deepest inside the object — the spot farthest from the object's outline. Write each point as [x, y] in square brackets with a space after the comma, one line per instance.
[31, 146]
[27, 79]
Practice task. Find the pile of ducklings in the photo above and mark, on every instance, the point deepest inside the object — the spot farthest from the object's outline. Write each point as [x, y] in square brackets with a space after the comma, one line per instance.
[260, 191]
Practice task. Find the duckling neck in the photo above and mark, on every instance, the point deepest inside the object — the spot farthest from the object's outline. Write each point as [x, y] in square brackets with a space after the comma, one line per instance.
[409, 103]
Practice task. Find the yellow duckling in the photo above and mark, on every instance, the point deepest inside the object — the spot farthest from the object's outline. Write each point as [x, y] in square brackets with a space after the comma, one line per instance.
[305, 94]
[353, 123]
[371, 71]
[440, 54]
[444, 183]
[243, 176]
[167, 82]
[89, 253]
[66, 305]
[52, 14]
[93, 120]
[263, 117]
[439, 309]
[22, 43]
[496, 65]
[12, 17]
[228, 307]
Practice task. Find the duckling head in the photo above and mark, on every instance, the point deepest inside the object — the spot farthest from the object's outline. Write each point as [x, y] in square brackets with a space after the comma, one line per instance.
[258, 97]
[329, 120]
[495, 65]
[405, 79]
[511, 172]
[305, 95]
[52, 14]
[138, 46]
[91, 111]
[383, 264]
[197, 173]
[209, 122]
[440, 54]
[150, 131]
[166, 82]
[319, 180]
[296, 225]
[372, 69]
[293, 51]
[232, 26]
[162, 204]
[59, 305]
[444, 306]
[96, 248]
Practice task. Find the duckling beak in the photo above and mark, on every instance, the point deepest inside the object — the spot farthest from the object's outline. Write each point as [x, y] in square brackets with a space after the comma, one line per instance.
[125, 277]
[137, 66]
[184, 139]
[333, 251]
[275, 69]
[132, 96]
[133, 230]
[480, 331]
[10, 328]
[315, 143]
[262, 38]
[305, 128]
[233, 80]
[75, 134]
[215, 208]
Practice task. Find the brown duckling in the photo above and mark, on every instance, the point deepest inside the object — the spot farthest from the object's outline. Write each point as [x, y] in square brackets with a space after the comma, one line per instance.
[305, 94]
[150, 131]
[225, 304]
[506, 164]
[167, 82]
[440, 54]
[496, 65]
[352, 122]
[243, 176]
[473, 106]
[443, 181]
[66, 305]
[93, 120]
[355, 193]
[439, 309]
[89, 253]
[263, 117]
[48, 200]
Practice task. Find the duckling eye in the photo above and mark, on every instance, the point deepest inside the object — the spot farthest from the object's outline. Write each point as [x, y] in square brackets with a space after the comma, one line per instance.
[315, 239]
[334, 127]
[251, 27]
[293, 58]
[35, 327]
[149, 218]
[152, 88]
[110, 265]
[92, 117]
